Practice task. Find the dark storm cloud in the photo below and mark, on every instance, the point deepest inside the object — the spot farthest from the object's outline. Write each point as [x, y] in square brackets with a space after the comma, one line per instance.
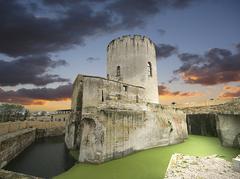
[188, 61]
[65, 2]
[133, 13]
[164, 91]
[36, 96]
[29, 70]
[214, 67]
[23, 33]
[165, 50]
[37, 28]
[92, 59]
[60, 24]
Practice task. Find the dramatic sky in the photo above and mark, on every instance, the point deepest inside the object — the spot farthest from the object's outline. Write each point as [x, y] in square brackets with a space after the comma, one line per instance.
[44, 44]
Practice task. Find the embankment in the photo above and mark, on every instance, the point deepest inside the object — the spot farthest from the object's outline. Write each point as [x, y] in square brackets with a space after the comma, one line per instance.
[16, 136]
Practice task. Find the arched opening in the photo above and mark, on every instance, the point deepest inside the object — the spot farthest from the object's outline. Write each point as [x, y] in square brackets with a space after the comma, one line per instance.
[149, 66]
[118, 71]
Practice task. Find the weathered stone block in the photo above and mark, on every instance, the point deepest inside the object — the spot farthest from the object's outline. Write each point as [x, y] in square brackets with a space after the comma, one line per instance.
[236, 163]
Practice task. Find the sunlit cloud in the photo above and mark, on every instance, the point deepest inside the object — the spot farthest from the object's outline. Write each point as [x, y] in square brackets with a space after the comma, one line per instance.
[216, 66]
[230, 92]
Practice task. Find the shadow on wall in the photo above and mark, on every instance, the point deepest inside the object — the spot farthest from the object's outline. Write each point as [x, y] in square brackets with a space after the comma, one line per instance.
[202, 124]
[236, 141]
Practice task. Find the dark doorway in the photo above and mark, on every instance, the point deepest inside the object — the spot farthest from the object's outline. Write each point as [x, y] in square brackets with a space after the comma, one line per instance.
[202, 124]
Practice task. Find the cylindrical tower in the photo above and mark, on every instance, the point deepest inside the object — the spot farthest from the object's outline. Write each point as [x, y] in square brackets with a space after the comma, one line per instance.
[132, 59]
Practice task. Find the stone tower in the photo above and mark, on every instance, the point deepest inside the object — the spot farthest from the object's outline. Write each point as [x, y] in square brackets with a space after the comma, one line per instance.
[132, 59]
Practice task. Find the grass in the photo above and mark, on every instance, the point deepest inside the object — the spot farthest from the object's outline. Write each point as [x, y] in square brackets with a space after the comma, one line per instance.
[149, 164]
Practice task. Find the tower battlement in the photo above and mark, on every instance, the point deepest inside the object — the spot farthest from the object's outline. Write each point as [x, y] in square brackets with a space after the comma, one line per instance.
[131, 40]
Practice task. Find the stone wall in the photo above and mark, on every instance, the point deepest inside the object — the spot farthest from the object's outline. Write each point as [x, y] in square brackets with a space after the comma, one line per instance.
[50, 132]
[227, 117]
[228, 127]
[91, 92]
[50, 118]
[8, 127]
[95, 91]
[16, 136]
[231, 107]
[224, 126]
[108, 134]
[108, 121]
[14, 143]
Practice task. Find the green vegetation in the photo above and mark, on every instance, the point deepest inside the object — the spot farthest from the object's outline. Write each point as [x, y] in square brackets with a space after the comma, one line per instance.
[149, 164]
[12, 112]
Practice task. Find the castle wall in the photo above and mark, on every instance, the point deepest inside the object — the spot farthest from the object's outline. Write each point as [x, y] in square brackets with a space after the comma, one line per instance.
[17, 136]
[90, 92]
[109, 134]
[9, 127]
[12, 144]
[228, 127]
[107, 122]
[132, 54]
[119, 115]
[224, 126]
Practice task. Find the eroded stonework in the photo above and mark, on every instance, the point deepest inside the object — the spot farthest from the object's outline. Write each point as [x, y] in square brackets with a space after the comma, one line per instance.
[222, 120]
[111, 118]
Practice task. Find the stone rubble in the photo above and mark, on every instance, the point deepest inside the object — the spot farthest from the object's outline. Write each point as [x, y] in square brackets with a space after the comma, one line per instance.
[236, 164]
[191, 167]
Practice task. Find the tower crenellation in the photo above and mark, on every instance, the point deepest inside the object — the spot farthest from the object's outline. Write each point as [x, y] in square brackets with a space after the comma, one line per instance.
[131, 40]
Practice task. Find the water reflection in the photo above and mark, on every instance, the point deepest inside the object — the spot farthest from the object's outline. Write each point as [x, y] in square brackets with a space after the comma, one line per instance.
[45, 158]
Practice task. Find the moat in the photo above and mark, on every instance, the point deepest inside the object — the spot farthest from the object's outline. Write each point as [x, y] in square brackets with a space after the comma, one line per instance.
[46, 158]
[49, 157]
[152, 163]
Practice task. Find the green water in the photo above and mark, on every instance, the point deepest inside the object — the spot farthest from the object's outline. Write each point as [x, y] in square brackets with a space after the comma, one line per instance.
[149, 164]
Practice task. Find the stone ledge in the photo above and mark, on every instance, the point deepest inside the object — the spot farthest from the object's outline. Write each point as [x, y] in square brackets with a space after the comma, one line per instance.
[5, 174]
[14, 134]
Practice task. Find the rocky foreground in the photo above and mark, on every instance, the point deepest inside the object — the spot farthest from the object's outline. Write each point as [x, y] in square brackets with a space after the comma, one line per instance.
[191, 167]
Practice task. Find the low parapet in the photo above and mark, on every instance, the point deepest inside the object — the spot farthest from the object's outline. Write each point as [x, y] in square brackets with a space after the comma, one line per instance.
[99, 77]
[230, 107]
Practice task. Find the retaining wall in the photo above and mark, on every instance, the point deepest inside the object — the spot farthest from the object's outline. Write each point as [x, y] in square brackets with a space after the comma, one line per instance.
[14, 143]
[8, 127]
[16, 136]
[228, 127]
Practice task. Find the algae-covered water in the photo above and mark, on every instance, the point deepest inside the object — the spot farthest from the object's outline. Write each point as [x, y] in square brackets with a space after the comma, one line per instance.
[149, 164]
